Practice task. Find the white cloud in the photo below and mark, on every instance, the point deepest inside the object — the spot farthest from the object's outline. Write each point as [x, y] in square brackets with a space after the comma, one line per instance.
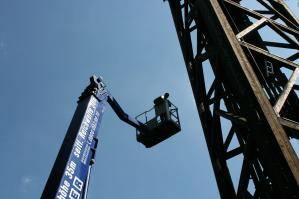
[26, 182]
[3, 47]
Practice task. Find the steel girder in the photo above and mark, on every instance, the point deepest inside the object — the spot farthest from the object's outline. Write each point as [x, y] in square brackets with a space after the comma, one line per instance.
[253, 88]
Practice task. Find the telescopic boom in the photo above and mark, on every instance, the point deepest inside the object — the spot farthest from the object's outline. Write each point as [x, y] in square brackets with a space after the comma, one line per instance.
[69, 176]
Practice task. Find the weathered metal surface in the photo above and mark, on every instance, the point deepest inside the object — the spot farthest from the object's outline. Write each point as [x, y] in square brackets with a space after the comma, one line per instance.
[249, 81]
[286, 91]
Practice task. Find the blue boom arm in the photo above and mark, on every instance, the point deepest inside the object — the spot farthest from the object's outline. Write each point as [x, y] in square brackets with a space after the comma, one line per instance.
[69, 176]
[122, 115]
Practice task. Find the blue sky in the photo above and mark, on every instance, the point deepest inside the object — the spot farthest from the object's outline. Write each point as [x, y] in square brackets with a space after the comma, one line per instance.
[48, 50]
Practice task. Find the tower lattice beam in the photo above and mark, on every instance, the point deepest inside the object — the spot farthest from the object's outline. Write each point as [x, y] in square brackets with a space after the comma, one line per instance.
[250, 92]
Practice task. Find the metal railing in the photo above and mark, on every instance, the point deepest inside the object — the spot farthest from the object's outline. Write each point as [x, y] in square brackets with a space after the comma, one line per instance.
[173, 110]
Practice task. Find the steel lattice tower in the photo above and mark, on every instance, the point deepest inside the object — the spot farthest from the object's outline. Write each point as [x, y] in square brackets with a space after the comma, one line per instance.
[254, 89]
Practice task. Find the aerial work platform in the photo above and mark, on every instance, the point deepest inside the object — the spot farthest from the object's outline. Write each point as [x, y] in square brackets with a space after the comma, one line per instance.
[163, 125]
[69, 177]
